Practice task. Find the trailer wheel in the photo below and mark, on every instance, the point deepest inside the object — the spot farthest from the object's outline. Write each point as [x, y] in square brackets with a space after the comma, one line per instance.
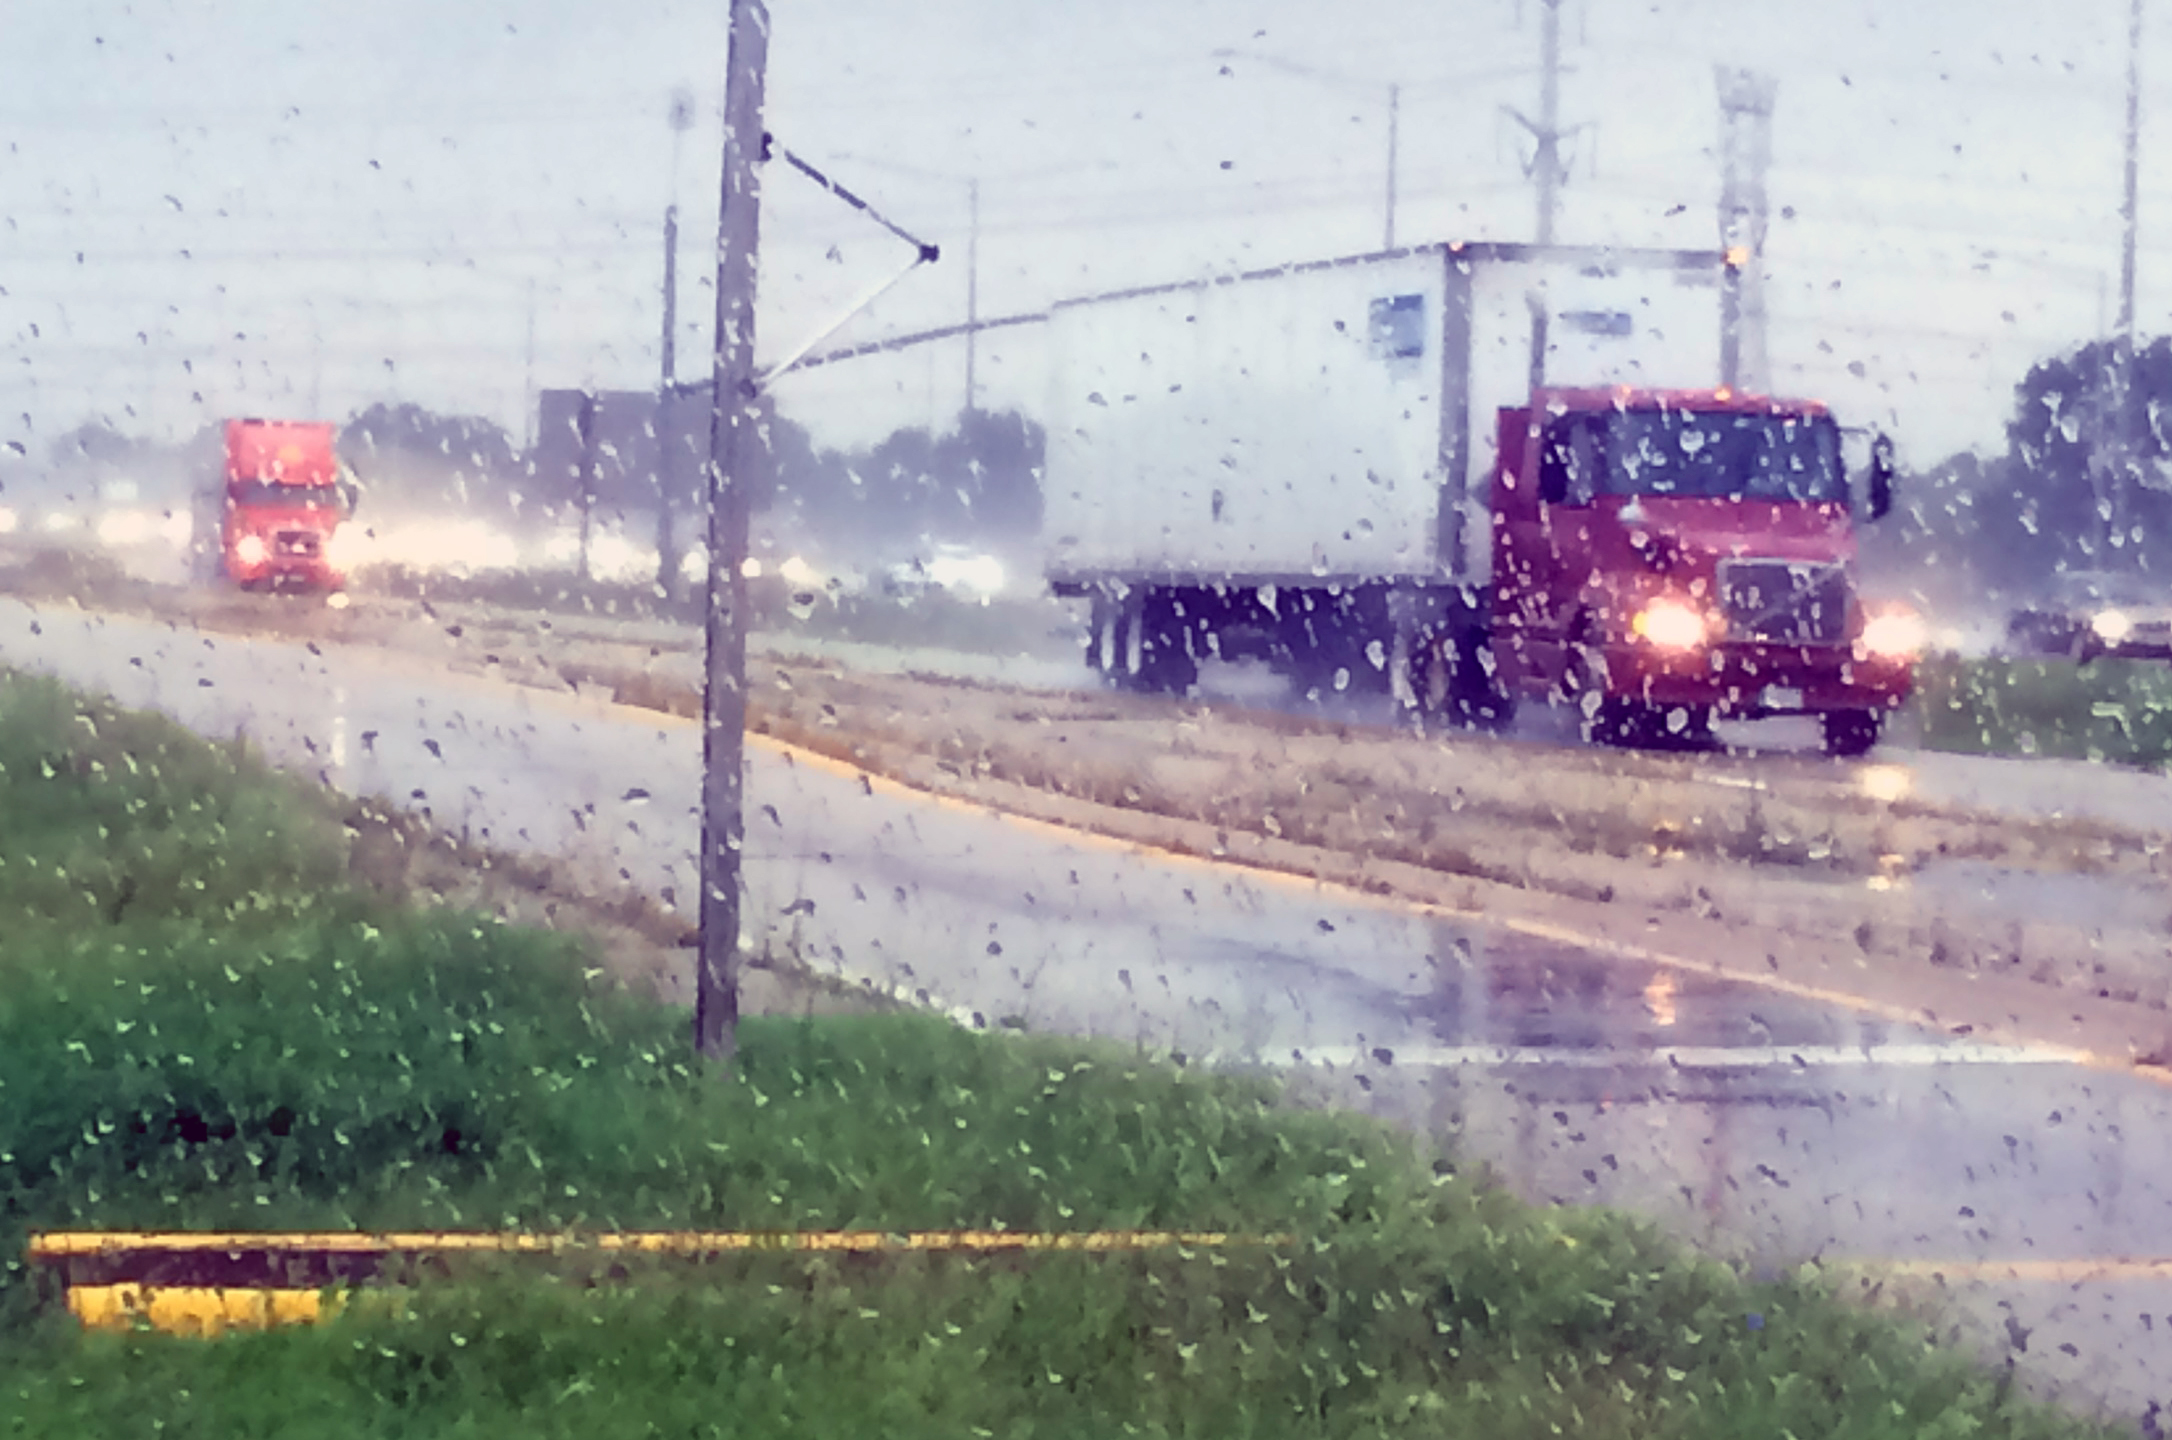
[1849, 733]
[1101, 636]
[1137, 641]
[1621, 724]
[1166, 665]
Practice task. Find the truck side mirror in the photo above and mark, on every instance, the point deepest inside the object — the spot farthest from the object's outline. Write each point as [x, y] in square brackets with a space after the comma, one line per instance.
[1881, 477]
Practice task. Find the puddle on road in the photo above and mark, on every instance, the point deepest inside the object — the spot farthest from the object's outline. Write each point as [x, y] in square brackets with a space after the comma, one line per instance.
[1513, 991]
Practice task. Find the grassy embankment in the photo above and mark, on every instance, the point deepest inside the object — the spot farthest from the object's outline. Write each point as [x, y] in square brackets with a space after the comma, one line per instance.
[2116, 711]
[204, 1023]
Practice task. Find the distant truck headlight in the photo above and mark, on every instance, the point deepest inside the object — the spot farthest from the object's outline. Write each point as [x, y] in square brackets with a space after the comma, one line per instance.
[1670, 625]
[1896, 635]
[977, 575]
[2111, 626]
[250, 550]
[123, 527]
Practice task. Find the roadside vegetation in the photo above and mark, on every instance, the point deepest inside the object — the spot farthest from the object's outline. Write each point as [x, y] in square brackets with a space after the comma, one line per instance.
[2114, 711]
[207, 1022]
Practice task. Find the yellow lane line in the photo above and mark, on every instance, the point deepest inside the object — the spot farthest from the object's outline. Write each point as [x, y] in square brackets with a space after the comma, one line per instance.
[2054, 1272]
[63, 1244]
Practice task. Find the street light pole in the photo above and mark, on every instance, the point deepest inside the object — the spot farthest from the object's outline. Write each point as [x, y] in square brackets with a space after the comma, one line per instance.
[733, 437]
[667, 533]
[972, 292]
[2125, 456]
[1395, 110]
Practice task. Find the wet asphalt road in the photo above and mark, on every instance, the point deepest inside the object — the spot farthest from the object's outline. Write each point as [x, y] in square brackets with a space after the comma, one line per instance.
[1768, 1127]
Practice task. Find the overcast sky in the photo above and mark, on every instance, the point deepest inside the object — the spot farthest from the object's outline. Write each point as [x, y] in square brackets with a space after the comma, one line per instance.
[284, 206]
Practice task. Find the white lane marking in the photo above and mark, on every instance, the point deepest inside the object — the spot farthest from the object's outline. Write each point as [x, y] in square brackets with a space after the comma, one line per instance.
[1906, 1055]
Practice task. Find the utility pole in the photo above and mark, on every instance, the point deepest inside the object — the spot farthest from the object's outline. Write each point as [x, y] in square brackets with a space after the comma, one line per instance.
[1546, 160]
[1546, 132]
[667, 430]
[1395, 114]
[587, 481]
[2125, 452]
[1746, 101]
[972, 292]
[733, 436]
[528, 421]
[1545, 169]
[668, 557]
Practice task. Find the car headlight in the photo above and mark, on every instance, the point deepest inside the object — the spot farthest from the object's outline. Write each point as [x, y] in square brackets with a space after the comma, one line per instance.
[2111, 626]
[123, 527]
[346, 549]
[1896, 635]
[1670, 625]
[249, 550]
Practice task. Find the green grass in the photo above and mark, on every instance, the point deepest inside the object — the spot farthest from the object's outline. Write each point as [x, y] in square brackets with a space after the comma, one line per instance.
[249, 1041]
[2116, 711]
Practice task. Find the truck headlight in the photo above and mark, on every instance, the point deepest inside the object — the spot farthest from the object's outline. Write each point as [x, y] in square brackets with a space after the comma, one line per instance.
[249, 550]
[2112, 626]
[1670, 625]
[1896, 635]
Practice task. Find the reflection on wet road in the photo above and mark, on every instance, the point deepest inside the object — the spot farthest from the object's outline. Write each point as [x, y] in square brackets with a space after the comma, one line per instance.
[1765, 1125]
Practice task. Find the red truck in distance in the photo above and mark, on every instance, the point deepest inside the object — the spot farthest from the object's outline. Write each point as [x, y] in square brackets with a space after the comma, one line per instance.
[285, 496]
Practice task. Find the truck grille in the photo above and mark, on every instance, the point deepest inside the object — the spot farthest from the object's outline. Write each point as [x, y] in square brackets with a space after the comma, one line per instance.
[300, 543]
[1789, 602]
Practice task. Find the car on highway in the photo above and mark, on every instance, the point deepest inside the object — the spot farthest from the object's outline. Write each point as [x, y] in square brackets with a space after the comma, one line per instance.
[2085, 614]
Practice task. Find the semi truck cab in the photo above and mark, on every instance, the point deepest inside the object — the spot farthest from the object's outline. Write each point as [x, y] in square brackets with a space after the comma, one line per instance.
[285, 495]
[1665, 557]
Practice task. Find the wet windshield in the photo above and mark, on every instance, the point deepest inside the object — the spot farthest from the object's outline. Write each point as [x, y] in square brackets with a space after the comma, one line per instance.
[272, 495]
[980, 764]
[1716, 455]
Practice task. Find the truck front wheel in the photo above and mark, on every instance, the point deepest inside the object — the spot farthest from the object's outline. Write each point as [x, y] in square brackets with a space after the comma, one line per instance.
[1849, 733]
[1454, 681]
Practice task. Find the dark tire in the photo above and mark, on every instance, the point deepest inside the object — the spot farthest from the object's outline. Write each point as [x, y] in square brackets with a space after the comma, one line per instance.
[1692, 732]
[1455, 683]
[1101, 635]
[1601, 719]
[1623, 724]
[1850, 733]
[1143, 644]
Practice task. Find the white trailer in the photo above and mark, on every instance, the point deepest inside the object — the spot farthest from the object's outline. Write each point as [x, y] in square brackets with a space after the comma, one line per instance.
[1297, 462]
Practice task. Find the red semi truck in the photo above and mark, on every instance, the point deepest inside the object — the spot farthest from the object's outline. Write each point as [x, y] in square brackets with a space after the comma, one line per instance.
[285, 495]
[1664, 557]
[1457, 472]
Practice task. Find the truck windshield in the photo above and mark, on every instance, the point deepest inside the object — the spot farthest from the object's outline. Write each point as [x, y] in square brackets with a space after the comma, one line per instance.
[1718, 455]
[273, 495]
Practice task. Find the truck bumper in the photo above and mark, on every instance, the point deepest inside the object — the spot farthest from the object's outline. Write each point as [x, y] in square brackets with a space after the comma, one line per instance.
[286, 574]
[1750, 682]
